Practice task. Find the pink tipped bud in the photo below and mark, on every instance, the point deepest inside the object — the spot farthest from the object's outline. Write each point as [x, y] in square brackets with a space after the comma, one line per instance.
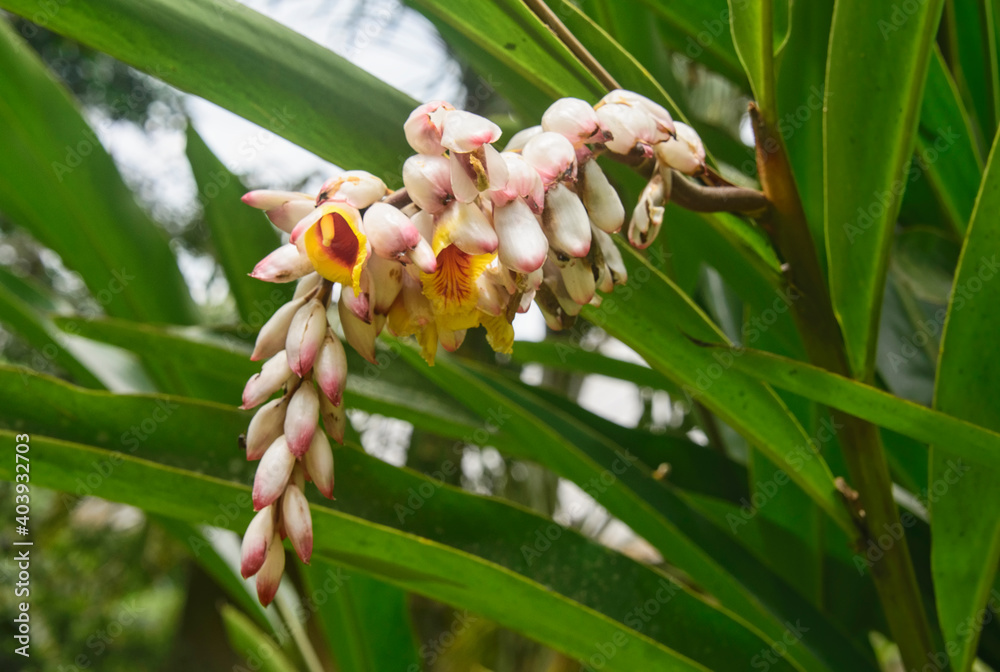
[521, 244]
[305, 336]
[600, 198]
[628, 126]
[424, 125]
[664, 122]
[298, 521]
[452, 340]
[301, 418]
[465, 226]
[391, 233]
[493, 294]
[361, 335]
[283, 265]
[385, 279]
[273, 375]
[552, 156]
[318, 462]
[464, 131]
[267, 199]
[423, 257]
[428, 182]
[520, 139]
[565, 222]
[269, 576]
[331, 368]
[578, 279]
[272, 474]
[256, 542]
[273, 334]
[265, 427]
[334, 419]
[287, 215]
[686, 153]
[647, 218]
[522, 182]
[357, 188]
[306, 285]
[573, 119]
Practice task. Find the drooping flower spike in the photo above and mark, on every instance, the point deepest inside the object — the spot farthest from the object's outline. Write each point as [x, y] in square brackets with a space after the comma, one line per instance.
[475, 237]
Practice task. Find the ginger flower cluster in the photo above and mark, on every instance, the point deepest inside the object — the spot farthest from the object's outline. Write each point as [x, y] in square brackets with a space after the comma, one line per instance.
[475, 237]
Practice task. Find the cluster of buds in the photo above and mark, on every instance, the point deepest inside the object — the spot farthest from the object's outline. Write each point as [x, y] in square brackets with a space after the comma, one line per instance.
[475, 236]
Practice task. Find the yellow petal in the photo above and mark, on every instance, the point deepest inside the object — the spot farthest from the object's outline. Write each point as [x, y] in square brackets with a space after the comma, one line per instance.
[336, 246]
[428, 339]
[452, 288]
[499, 332]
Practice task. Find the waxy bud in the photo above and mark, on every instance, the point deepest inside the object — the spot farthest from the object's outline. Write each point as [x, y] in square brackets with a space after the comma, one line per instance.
[334, 419]
[451, 340]
[272, 474]
[265, 427]
[358, 304]
[522, 182]
[521, 244]
[476, 171]
[601, 200]
[273, 375]
[424, 125]
[565, 222]
[614, 265]
[269, 576]
[268, 199]
[423, 257]
[664, 122]
[578, 279]
[306, 285]
[385, 279]
[287, 215]
[273, 334]
[301, 418]
[520, 139]
[357, 188]
[283, 265]
[573, 119]
[552, 156]
[298, 521]
[464, 131]
[647, 218]
[390, 232]
[428, 182]
[305, 336]
[686, 153]
[257, 542]
[330, 368]
[318, 462]
[629, 126]
[466, 227]
[361, 335]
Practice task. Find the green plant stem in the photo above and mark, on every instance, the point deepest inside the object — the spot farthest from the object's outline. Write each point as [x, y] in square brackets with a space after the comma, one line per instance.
[894, 577]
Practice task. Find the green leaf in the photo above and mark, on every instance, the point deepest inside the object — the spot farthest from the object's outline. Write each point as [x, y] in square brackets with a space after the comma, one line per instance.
[361, 618]
[868, 147]
[58, 183]
[251, 65]
[250, 642]
[965, 546]
[752, 23]
[977, 445]
[241, 235]
[972, 39]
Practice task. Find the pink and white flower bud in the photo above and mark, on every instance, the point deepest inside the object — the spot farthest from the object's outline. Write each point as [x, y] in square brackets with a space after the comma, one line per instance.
[330, 368]
[265, 427]
[686, 153]
[600, 198]
[664, 122]
[357, 188]
[306, 284]
[385, 279]
[494, 290]
[565, 222]
[361, 335]
[423, 257]
[521, 245]
[613, 261]
[273, 334]
[268, 199]
[334, 419]
[552, 156]
[390, 232]
[358, 304]
[318, 463]
[301, 418]
[578, 279]
[283, 265]
[476, 171]
[273, 375]
[629, 126]
[573, 119]
[647, 218]
[520, 139]
[428, 182]
[298, 521]
[272, 474]
[522, 182]
[424, 126]
[465, 132]
[305, 336]
[466, 227]
[287, 215]
[257, 542]
[451, 340]
[269, 576]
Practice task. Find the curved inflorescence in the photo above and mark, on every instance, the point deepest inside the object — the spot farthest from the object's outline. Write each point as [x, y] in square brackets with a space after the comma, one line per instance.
[475, 236]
